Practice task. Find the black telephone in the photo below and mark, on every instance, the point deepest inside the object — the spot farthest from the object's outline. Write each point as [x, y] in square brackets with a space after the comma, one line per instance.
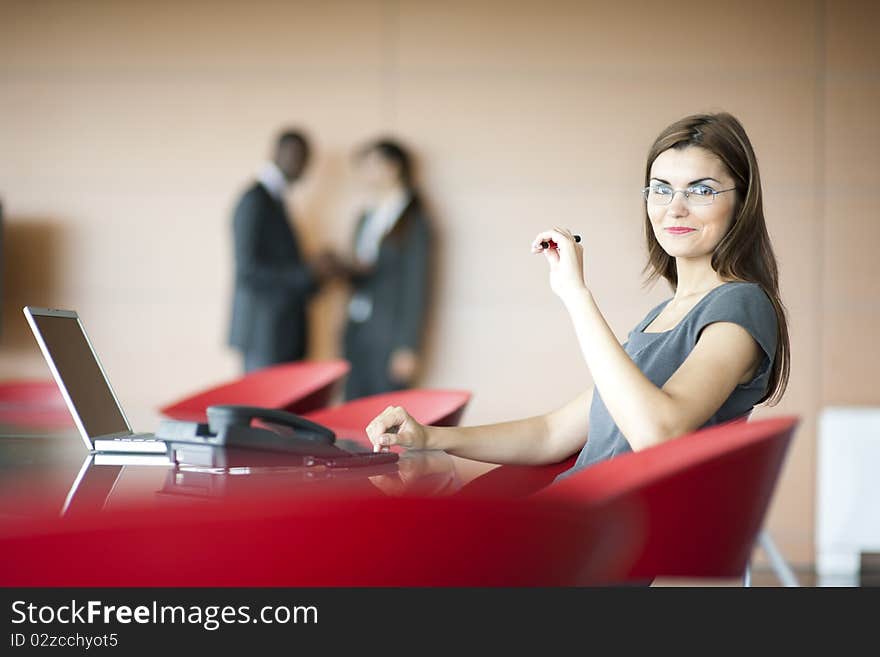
[229, 426]
[221, 419]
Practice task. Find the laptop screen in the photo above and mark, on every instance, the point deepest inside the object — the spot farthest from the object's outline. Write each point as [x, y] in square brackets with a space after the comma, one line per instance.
[80, 374]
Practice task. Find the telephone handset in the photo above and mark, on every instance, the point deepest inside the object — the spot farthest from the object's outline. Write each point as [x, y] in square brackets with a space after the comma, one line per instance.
[230, 426]
[220, 418]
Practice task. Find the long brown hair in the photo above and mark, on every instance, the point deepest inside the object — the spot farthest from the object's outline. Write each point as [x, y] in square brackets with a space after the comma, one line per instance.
[745, 252]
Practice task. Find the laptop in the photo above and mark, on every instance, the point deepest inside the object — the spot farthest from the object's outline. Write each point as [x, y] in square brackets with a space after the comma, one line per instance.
[84, 384]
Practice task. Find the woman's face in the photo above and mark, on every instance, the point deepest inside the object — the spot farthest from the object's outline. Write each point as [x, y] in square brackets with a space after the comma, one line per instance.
[684, 228]
[377, 172]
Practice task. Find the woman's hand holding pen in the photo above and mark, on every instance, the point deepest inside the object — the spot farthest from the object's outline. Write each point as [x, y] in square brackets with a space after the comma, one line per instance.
[394, 426]
[566, 258]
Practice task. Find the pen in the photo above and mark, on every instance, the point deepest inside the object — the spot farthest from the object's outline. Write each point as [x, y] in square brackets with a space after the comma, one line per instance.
[544, 245]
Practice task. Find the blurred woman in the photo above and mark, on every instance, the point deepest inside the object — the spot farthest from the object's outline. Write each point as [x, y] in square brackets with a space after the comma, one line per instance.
[389, 276]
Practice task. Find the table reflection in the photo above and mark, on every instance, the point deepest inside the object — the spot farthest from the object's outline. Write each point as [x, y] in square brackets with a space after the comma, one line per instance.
[50, 473]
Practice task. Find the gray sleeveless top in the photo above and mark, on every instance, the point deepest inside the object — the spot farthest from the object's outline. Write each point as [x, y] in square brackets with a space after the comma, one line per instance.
[659, 355]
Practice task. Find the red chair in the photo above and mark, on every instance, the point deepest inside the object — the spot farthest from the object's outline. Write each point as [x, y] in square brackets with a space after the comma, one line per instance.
[691, 507]
[442, 408]
[297, 387]
[33, 403]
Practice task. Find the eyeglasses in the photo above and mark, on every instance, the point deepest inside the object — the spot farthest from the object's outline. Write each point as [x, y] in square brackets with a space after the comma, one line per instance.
[658, 194]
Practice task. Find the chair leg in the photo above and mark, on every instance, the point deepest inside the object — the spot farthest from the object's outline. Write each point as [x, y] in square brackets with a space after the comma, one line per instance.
[782, 570]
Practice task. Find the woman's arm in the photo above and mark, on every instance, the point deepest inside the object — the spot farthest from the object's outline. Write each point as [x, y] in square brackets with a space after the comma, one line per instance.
[538, 440]
[644, 413]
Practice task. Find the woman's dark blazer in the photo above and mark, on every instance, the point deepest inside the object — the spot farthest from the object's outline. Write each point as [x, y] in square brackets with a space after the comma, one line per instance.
[398, 286]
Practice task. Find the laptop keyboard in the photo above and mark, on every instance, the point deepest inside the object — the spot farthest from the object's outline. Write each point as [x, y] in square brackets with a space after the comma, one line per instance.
[138, 443]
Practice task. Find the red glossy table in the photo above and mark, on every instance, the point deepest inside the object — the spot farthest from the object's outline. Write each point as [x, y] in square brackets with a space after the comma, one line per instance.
[67, 521]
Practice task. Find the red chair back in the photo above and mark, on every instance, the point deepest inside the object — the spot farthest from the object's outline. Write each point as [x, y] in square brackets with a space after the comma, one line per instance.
[507, 481]
[33, 403]
[442, 408]
[297, 387]
[692, 506]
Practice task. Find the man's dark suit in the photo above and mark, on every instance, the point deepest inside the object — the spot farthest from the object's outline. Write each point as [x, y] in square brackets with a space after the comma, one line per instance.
[397, 286]
[272, 283]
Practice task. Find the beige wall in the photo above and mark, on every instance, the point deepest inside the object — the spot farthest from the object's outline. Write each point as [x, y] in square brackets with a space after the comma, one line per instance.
[128, 129]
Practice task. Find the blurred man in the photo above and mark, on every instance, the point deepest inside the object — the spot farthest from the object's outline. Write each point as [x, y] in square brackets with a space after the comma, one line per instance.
[273, 282]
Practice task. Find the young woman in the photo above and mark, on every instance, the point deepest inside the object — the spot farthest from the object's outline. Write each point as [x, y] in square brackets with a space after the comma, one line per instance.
[708, 355]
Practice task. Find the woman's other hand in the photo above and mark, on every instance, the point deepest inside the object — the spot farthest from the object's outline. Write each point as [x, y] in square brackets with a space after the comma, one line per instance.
[566, 259]
[403, 365]
[394, 426]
